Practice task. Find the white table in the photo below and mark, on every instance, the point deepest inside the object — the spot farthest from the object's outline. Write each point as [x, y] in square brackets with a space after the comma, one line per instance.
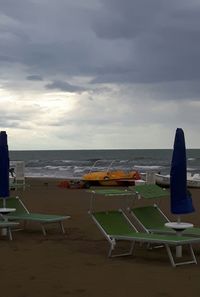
[4, 211]
[179, 227]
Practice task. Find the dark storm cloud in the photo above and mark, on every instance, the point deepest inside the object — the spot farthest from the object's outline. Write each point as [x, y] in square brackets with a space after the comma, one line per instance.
[48, 37]
[163, 38]
[63, 86]
[126, 19]
[111, 41]
[34, 77]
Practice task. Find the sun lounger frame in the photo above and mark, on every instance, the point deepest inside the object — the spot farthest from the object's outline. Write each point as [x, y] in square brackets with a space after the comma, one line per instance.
[146, 238]
[42, 219]
[161, 229]
[151, 230]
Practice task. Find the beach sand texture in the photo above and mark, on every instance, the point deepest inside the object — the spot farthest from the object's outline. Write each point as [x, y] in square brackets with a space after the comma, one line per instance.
[76, 264]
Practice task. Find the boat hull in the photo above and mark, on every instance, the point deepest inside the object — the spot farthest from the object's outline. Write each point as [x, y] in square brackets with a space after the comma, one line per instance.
[164, 180]
[112, 178]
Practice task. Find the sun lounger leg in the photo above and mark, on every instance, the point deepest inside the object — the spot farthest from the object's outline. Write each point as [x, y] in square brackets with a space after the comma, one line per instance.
[43, 230]
[170, 255]
[9, 233]
[62, 227]
[192, 261]
[192, 253]
[25, 224]
[174, 264]
[112, 246]
[110, 251]
[132, 247]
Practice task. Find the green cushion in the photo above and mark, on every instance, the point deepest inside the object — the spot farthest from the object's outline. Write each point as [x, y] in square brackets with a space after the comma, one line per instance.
[111, 192]
[150, 191]
[113, 222]
[37, 217]
[164, 238]
[116, 225]
[22, 213]
[153, 220]
[192, 231]
[150, 217]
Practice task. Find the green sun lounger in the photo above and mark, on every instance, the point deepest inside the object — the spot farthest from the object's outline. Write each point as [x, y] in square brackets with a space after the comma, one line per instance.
[22, 214]
[150, 191]
[116, 226]
[152, 220]
[111, 192]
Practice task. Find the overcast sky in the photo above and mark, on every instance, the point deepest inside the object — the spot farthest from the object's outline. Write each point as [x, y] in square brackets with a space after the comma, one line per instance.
[89, 74]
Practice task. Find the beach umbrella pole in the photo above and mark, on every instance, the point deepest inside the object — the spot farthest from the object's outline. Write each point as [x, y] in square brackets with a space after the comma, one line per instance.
[4, 168]
[179, 247]
[181, 202]
[4, 230]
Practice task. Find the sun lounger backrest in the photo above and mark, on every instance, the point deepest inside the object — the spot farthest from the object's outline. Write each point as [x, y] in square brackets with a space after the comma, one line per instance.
[16, 203]
[149, 216]
[150, 191]
[114, 222]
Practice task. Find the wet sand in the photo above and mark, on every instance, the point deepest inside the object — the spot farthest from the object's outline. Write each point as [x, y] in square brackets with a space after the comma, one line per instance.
[76, 264]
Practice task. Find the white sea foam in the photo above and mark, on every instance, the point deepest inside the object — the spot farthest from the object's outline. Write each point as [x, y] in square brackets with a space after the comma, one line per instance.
[70, 164]
[190, 169]
[153, 167]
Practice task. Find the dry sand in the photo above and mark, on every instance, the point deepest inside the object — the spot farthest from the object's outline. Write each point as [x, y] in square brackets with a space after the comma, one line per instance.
[76, 264]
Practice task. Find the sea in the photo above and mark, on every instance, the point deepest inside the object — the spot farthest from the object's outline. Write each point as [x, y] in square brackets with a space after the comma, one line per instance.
[75, 163]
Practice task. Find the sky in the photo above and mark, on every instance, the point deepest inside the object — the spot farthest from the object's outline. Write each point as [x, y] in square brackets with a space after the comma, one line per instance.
[99, 74]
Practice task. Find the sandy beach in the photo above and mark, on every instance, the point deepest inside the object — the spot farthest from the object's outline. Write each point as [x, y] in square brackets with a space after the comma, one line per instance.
[76, 264]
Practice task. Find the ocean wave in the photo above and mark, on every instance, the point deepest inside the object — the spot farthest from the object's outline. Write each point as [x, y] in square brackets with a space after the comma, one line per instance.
[76, 163]
[190, 169]
[146, 167]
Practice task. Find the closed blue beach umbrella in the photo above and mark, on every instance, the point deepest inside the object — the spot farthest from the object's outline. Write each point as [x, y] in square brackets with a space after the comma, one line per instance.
[4, 166]
[181, 201]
